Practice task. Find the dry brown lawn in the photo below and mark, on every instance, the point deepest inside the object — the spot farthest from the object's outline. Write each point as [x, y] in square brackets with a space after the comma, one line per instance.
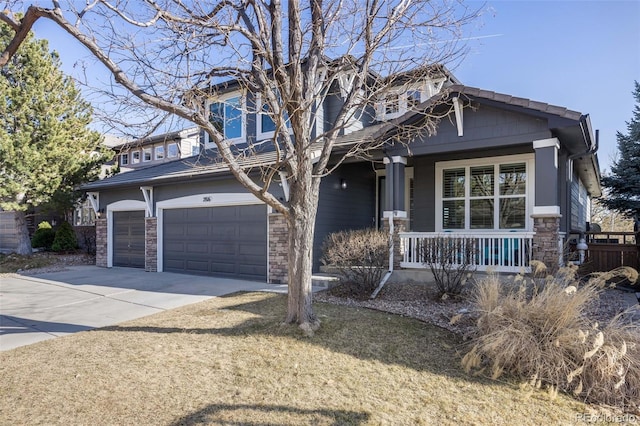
[230, 361]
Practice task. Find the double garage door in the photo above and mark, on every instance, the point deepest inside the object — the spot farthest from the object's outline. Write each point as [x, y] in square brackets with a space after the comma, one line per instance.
[229, 241]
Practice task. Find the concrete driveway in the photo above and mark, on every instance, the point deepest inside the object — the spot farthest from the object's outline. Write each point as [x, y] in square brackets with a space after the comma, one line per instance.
[55, 304]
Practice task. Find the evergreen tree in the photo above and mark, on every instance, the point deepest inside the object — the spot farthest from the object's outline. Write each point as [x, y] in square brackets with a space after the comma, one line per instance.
[623, 184]
[46, 148]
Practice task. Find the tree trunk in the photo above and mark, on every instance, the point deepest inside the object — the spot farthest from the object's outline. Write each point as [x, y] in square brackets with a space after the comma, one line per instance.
[301, 224]
[24, 242]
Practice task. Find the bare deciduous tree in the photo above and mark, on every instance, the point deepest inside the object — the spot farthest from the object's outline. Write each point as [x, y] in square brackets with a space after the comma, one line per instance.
[172, 55]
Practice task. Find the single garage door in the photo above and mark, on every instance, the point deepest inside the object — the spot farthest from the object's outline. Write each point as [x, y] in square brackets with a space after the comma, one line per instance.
[228, 241]
[128, 239]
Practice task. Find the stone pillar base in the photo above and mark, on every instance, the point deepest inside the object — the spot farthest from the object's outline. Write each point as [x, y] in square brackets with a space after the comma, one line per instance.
[546, 241]
[151, 244]
[278, 249]
[101, 243]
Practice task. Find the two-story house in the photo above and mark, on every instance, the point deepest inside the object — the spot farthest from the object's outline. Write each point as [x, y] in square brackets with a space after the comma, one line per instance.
[158, 149]
[511, 173]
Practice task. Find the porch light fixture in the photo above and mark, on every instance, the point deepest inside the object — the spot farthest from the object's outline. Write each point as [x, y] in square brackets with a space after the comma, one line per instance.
[343, 184]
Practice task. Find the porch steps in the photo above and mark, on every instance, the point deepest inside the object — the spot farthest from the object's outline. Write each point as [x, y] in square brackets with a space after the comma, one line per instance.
[324, 281]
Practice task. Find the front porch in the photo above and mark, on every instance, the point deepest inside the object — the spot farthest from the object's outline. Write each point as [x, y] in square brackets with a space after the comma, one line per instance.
[509, 252]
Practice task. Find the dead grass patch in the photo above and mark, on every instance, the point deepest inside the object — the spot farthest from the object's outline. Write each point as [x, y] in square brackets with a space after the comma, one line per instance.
[14, 262]
[229, 360]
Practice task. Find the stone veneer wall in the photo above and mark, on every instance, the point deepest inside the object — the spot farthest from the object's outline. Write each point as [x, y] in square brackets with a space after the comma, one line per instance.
[278, 247]
[545, 240]
[399, 225]
[101, 243]
[151, 244]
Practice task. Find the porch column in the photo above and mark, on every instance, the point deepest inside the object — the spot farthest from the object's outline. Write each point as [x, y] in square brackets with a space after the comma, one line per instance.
[547, 246]
[151, 244]
[101, 242]
[150, 231]
[278, 268]
[395, 202]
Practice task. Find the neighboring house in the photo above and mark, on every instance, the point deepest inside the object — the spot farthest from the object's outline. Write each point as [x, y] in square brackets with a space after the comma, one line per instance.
[513, 174]
[158, 149]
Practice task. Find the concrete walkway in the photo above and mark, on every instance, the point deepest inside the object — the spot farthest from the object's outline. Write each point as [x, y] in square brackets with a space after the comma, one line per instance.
[36, 308]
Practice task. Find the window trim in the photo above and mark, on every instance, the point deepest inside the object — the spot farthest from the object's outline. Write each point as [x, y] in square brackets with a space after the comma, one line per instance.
[528, 159]
[243, 109]
[146, 151]
[402, 94]
[259, 114]
[133, 154]
[155, 152]
[169, 150]
[124, 159]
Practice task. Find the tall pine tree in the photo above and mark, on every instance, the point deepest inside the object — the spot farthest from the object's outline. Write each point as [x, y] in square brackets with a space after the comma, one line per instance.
[623, 184]
[46, 148]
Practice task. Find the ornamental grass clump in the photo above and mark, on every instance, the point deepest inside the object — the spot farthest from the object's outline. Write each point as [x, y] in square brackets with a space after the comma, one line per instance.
[538, 331]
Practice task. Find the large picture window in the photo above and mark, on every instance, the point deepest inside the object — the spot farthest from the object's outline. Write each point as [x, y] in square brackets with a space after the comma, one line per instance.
[484, 196]
[227, 116]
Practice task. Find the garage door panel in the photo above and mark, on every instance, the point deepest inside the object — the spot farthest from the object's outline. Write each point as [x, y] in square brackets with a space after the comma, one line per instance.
[198, 230]
[231, 241]
[201, 266]
[129, 238]
[197, 248]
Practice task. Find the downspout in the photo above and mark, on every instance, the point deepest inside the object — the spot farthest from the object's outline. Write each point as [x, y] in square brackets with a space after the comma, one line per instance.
[593, 148]
[386, 276]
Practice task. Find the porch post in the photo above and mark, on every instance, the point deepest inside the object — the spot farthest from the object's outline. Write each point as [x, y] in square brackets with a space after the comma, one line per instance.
[546, 211]
[101, 242]
[394, 204]
[150, 231]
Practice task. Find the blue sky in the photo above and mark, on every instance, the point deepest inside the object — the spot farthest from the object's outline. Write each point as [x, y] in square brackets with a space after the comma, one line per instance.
[583, 55]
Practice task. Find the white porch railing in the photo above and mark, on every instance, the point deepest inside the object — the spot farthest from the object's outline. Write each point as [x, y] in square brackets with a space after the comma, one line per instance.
[484, 251]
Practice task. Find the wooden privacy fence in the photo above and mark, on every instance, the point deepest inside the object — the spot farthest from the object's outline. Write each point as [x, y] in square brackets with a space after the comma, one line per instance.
[609, 250]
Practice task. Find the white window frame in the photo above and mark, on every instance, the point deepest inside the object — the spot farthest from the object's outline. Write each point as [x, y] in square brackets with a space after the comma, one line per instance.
[401, 92]
[155, 152]
[146, 151]
[169, 150]
[259, 133]
[133, 157]
[528, 159]
[243, 109]
[124, 159]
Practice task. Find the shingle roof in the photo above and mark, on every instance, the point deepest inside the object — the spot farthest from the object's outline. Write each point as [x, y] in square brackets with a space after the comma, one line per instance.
[210, 163]
[515, 101]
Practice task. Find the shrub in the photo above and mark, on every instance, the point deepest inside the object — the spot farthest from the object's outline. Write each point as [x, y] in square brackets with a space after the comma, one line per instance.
[65, 239]
[450, 262]
[86, 236]
[361, 258]
[43, 237]
[539, 332]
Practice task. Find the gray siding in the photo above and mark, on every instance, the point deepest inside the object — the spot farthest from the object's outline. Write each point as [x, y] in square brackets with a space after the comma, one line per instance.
[343, 209]
[484, 128]
[424, 190]
[8, 231]
[108, 197]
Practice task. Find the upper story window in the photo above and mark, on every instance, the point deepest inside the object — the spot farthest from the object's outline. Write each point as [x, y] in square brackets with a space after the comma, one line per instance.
[399, 101]
[135, 157]
[124, 159]
[146, 156]
[487, 194]
[228, 117]
[159, 152]
[265, 126]
[172, 150]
